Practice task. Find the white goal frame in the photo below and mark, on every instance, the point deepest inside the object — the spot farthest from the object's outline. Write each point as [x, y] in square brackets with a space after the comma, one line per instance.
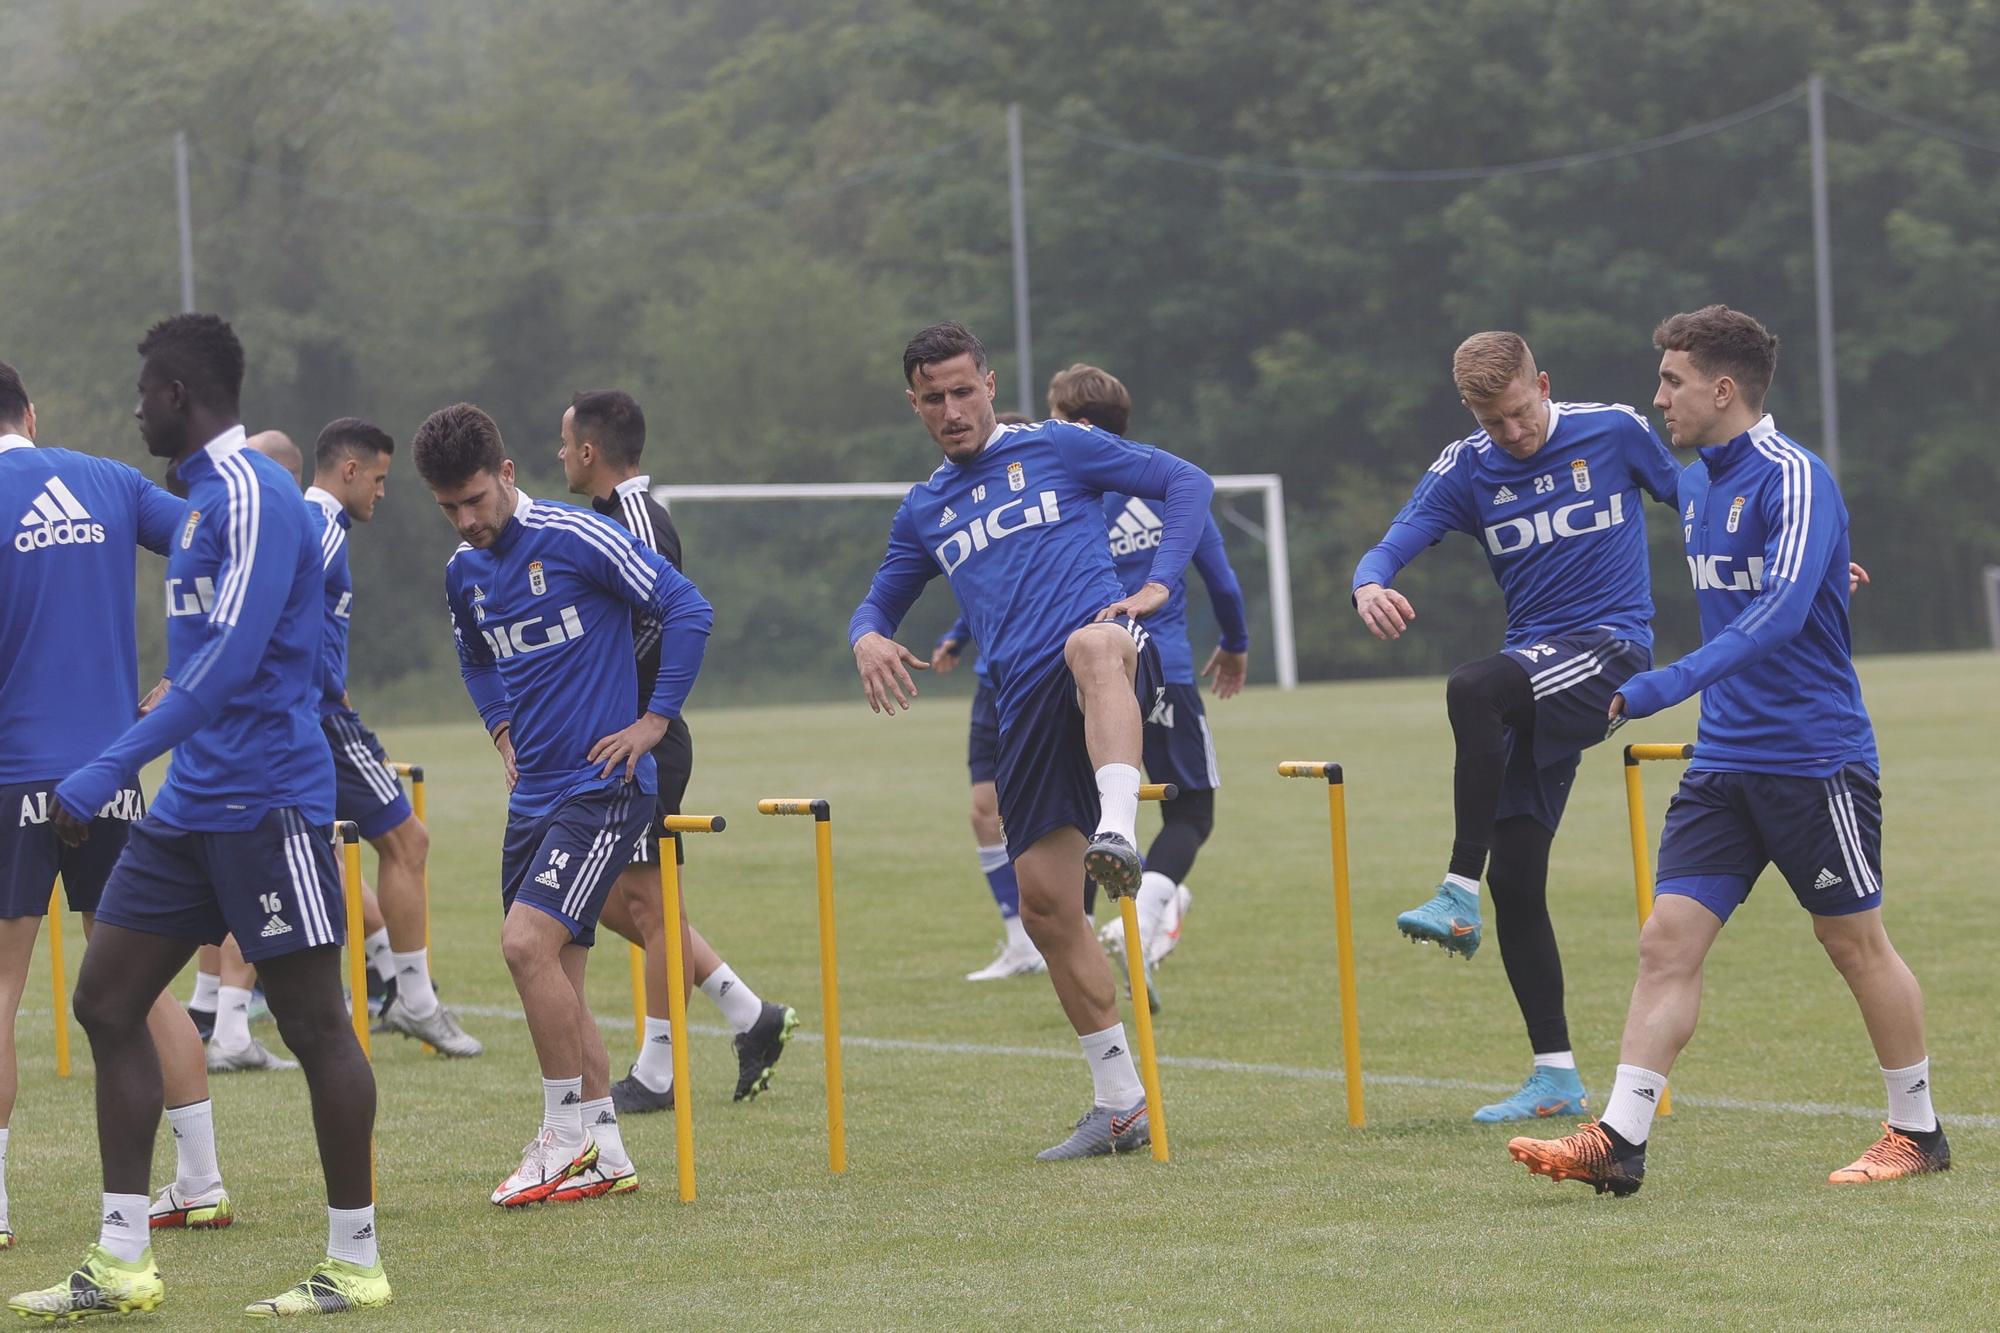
[1284, 648]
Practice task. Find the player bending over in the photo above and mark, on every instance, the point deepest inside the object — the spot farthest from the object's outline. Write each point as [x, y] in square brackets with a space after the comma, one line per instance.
[236, 840]
[1553, 492]
[542, 597]
[1785, 771]
[1013, 518]
[603, 439]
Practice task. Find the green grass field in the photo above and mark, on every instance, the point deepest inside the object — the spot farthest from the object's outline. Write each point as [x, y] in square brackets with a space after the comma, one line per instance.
[1273, 1212]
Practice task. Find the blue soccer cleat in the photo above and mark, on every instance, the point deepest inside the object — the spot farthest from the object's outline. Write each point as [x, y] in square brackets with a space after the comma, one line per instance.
[1547, 1092]
[1449, 920]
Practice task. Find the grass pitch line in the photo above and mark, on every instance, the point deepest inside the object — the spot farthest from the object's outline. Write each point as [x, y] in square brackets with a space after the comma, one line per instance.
[1979, 1120]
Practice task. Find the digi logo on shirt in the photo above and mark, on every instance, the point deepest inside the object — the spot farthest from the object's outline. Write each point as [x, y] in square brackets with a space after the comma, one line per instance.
[985, 529]
[1518, 534]
[1716, 574]
[532, 635]
[190, 597]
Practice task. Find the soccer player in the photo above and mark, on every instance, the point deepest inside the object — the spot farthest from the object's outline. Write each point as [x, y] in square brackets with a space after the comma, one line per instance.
[603, 439]
[236, 839]
[67, 690]
[350, 475]
[542, 598]
[1553, 492]
[1013, 518]
[1785, 770]
[1178, 747]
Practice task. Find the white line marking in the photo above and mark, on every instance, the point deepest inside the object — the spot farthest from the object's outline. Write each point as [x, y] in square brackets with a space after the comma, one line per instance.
[1204, 1064]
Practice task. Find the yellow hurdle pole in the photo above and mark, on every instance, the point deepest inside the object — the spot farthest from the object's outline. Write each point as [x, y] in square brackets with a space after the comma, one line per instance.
[677, 1014]
[1142, 1008]
[348, 834]
[59, 980]
[1642, 846]
[415, 773]
[829, 965]
[1343, 923]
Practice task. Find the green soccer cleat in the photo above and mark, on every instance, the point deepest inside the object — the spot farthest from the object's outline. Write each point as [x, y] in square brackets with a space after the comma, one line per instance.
[101, 1284]
[335, 1287]
[1449, 920]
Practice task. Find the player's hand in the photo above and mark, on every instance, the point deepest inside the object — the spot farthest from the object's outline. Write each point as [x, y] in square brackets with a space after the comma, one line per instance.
[503, 741]
[944, 657]
[1150, 598]
[1229, 670]
[1616, 716]
[627, 747]
[1386, 612]
[69, 828]
[881, 662]
[1856, 576]
[153, 697]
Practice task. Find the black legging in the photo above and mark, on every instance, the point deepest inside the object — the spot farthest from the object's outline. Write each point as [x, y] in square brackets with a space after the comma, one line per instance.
[1486, 699]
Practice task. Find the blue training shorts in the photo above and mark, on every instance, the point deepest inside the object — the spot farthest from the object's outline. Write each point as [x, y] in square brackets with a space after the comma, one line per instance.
[1823, 834]
[1574, 677]
[366, 789]
[31, 855]
[1044, 775]
[275, 887]
[1178, 747]
[564, 862]
[982, 750]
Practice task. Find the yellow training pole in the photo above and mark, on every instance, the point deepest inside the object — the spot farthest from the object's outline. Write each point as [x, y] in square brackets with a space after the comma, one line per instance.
[670, 910]
[59, 980]
[415, 773]
[1642, 847]
[1343, 924]
[829, 965]
[1142, 1007]
[357, 957]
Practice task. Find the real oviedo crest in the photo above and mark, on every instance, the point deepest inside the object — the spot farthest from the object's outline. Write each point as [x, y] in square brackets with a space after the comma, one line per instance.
[537, 582]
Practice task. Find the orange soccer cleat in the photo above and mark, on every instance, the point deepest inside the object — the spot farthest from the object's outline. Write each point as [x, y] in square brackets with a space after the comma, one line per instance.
[1588, 1155]
[1896, 1155]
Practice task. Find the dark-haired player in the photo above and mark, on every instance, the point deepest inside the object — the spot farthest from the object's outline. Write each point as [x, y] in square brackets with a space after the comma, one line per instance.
[603, 443]
[1785, 771]
[350, 475]
[236, 840]
[1013, 517]
[542, 599]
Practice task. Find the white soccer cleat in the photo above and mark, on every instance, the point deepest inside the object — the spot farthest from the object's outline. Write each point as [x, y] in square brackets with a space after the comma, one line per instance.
[1017, 958]
[252, 1056]
[1165, 936]
[545, 1167]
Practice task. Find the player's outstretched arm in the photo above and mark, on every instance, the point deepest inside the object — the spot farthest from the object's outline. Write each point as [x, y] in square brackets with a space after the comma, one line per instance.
[1438, 505]
[883, 666]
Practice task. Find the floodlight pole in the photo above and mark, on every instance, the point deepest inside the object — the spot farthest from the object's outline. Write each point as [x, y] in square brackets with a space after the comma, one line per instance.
[1017, 211]
[186, 216]
[1829, 391]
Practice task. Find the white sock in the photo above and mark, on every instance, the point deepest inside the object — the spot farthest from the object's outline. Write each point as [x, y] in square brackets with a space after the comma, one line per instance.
[1556, 1060]
[1471, 886]
[205, 986]
[126, 1229]
[1156, 895]
[992, 858]
[380, 957]
[1118, 802]
[413, 983]
[655, 1065]
[1909, 1098]
[1017, 933]
[350, 1235]
[738, 1003]
[232, 1018]
[601, 1123]
[562, 1110]
[1112, 1072]
[196, 1170]
[1634, 1098]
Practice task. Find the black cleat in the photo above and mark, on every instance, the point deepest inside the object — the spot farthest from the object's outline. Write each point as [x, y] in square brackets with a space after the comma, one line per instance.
[1115, 864]
[757, 1050]
[629, 1096]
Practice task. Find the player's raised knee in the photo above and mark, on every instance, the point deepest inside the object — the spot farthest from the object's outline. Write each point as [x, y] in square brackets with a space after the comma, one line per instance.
[1098, 647]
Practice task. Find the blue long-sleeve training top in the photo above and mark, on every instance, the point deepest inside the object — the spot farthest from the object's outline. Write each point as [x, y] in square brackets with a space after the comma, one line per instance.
[69, 671]
[1562, 529]
[1767, 551]
[331, 525]
[543, 620]
[1019, 532]
[244, 621]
